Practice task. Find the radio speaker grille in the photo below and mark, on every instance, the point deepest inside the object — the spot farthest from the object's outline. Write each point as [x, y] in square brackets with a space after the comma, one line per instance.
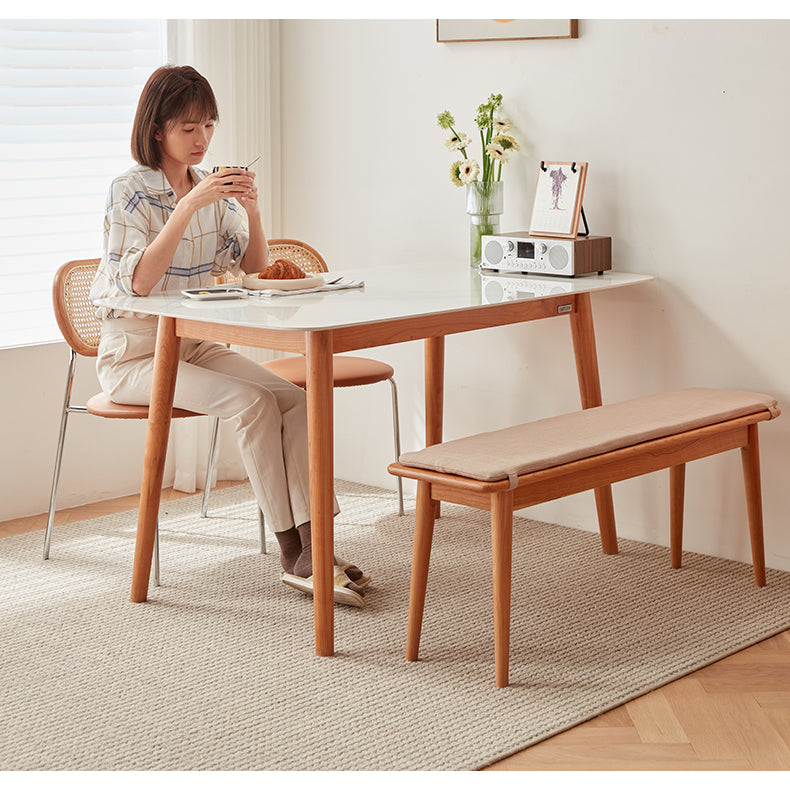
[494, 292]
[493, 252]
[558, 257]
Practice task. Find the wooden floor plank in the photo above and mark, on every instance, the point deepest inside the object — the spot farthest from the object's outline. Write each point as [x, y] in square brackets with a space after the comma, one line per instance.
[617, 717]
[760, 676]
[780, 718]
[654, 719]
[615, 756]
[773, 699]
[698, 714]
[747, 721]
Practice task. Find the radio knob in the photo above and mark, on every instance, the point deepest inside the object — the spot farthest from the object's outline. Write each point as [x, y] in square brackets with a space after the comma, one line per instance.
[509, 247]
[542, 248]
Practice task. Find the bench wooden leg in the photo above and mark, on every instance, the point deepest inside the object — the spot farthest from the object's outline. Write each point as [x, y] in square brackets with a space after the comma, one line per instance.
[421, 556]
[677, 491]
[750, 458]
[604, 506]
[502, 554]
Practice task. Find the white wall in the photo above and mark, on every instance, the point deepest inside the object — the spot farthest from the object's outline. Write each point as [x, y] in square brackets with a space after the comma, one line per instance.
[102, 458]
[683, 124]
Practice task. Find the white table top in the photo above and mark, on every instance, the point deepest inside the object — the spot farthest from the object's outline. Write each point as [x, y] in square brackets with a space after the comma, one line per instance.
[391, 292]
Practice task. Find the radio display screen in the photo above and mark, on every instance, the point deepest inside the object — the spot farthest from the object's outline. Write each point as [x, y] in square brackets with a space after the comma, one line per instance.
[525, 249]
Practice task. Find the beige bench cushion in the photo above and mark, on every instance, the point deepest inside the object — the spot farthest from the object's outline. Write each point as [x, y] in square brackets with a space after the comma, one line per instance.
[569, 437]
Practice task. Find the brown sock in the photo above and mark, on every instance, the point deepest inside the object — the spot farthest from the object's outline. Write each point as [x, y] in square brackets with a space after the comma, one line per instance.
[304, 565]
[290, 548]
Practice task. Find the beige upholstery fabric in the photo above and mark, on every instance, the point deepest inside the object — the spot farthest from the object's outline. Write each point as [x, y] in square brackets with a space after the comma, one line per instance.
[556, 440]
[346, 371]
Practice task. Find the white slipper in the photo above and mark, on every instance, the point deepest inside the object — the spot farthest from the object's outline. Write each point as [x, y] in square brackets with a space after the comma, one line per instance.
[341, 592]
[344, 565]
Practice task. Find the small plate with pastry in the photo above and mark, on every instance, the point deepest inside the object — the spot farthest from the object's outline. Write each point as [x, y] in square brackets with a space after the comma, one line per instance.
[282, 275]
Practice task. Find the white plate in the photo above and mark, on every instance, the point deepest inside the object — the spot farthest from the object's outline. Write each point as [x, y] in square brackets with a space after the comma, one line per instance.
[255, 283]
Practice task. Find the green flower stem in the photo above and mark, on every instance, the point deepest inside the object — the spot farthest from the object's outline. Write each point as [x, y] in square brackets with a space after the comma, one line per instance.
[484, 176]
[476, 233]
[462, 150]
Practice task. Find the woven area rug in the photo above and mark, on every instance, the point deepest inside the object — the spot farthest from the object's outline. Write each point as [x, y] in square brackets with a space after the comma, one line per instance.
[217, 670]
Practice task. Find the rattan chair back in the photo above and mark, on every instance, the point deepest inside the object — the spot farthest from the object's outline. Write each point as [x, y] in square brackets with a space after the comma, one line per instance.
[303, 255]
[74, 312]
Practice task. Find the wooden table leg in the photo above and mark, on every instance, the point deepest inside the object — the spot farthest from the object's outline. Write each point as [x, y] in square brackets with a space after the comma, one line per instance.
[434, 389]
[321, 453]
[583, 334]
[434, 395]
[160, 412]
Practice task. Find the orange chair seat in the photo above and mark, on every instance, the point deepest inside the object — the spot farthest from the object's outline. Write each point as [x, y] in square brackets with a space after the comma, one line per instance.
[102, 406]
[347, 371]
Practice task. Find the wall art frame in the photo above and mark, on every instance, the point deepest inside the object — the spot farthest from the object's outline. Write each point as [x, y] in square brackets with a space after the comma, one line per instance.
[457, 30]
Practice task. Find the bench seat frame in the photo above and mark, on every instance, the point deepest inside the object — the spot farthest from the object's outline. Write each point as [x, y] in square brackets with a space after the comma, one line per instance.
[500, 499]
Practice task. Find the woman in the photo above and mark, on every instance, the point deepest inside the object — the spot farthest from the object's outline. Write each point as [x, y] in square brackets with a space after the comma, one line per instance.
[170, 226]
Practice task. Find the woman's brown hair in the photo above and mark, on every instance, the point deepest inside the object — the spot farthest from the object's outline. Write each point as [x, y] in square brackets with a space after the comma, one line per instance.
[171, 93]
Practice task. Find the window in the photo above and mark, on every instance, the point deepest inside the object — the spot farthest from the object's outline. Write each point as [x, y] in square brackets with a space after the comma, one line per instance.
[68, 93]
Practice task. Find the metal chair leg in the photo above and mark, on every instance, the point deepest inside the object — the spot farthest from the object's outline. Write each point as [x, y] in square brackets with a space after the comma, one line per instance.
[396, 434]
[212, 458]
[64, 418]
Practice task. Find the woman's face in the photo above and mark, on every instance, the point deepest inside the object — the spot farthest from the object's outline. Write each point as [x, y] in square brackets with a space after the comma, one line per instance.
[186, 141]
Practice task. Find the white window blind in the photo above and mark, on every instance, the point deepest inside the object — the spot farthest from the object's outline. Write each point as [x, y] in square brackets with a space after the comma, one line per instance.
[68, 94]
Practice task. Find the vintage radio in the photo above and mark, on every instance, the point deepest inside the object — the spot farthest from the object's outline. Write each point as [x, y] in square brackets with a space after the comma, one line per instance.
[520, 252]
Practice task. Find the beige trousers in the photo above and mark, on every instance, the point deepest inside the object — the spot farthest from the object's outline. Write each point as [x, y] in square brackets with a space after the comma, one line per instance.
[268, 413]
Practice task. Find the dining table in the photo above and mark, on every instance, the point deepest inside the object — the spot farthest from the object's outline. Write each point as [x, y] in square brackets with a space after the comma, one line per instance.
[378, 303]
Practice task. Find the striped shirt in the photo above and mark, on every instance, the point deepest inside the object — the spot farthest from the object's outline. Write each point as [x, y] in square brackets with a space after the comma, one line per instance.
[138, 205]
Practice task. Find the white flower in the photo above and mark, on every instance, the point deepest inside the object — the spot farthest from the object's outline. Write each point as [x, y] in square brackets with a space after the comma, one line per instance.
[455, 173]
[497, 141]
[468, 171]
[496, 151]
[457, 142]
[507, 142]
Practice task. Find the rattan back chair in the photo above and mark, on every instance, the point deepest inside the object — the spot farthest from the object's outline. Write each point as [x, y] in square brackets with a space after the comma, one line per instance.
[81, 330]
[348, 371]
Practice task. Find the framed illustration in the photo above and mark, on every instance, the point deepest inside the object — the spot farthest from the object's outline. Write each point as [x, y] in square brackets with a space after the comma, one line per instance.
[449, 30]
[558, 199]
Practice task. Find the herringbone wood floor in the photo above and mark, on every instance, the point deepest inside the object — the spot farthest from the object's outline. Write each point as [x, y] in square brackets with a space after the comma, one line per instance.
[731, 716]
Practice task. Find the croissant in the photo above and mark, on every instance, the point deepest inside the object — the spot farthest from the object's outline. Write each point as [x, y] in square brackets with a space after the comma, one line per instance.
[282, 269]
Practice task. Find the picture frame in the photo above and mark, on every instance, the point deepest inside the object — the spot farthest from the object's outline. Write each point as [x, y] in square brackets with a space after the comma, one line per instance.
[456, 30]
[558, 199]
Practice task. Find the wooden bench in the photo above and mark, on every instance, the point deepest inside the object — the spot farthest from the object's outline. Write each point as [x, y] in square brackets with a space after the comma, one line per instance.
[536, 462]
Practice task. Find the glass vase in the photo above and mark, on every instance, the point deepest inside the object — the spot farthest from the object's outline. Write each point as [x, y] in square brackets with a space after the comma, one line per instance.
[484, 205]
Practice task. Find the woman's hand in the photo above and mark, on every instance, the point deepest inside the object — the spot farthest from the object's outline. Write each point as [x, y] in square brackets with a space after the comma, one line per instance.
[250, 200]
[232, 182]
